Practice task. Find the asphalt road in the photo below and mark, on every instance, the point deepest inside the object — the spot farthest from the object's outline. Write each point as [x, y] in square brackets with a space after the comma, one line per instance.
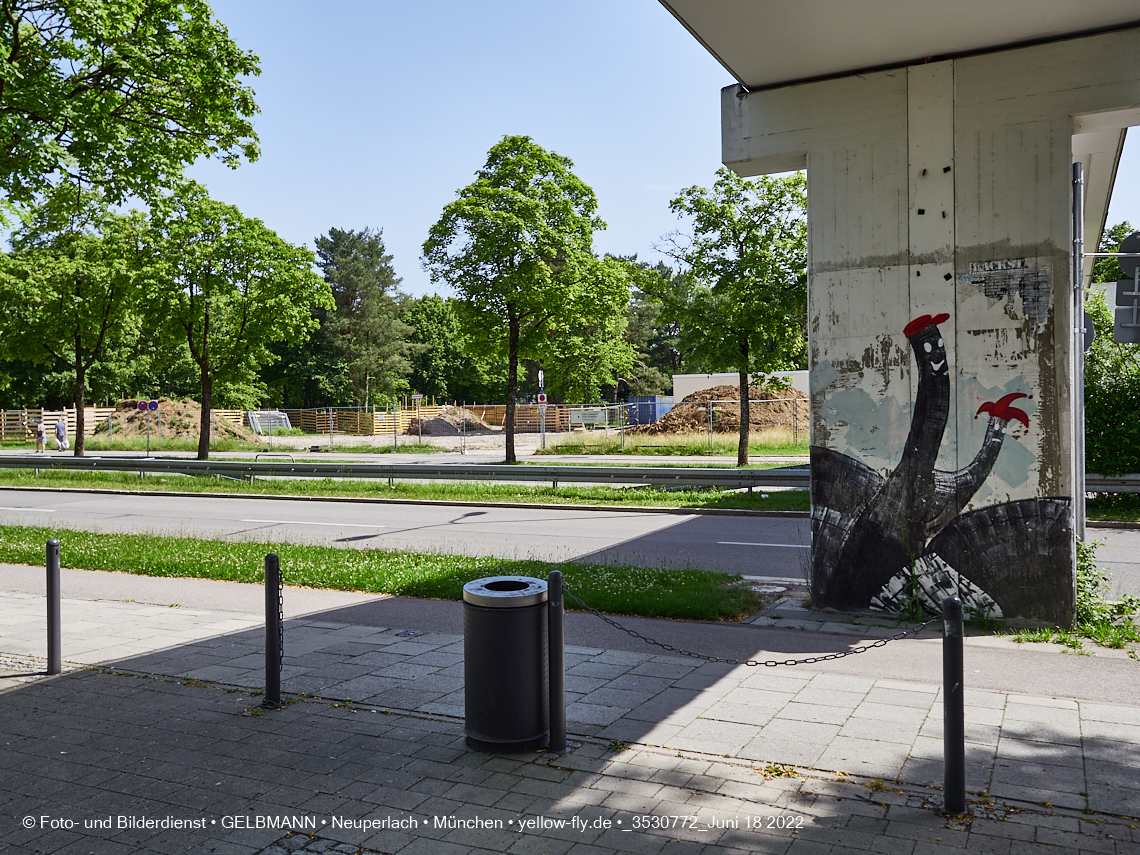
[751, 545]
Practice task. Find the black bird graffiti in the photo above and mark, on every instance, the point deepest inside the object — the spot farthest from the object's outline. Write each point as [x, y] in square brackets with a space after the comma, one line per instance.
[866, 528]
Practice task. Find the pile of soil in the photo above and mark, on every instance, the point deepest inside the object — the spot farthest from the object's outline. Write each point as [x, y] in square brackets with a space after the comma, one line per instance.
[691, 415]
[180, 420]
[449, 422]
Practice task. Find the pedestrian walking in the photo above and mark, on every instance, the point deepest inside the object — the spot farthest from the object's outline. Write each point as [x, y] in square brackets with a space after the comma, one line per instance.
[61, 443]
[41, 436]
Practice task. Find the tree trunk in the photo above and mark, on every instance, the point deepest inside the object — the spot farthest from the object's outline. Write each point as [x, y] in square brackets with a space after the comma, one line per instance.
[745, 408]
[204, 423]
[512, 387]
[80, 400]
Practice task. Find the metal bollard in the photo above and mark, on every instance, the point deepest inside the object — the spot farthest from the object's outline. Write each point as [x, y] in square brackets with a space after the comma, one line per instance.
[54, 643]
[953, 708]
[273, 632]
[557, 683]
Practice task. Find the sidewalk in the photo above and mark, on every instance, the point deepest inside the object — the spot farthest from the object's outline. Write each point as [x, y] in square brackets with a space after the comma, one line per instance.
[165, 728]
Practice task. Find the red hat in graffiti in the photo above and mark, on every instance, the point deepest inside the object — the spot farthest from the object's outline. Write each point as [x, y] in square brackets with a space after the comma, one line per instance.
[1002, 409]
[922, 322]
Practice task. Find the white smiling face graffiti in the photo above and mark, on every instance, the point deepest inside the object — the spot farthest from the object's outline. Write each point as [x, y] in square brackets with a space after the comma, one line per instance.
[935, 352]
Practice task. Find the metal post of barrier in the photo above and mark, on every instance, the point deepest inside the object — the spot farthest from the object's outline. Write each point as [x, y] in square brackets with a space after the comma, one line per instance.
[54, 645]
[953, 708]
[557, 648]
[273, 632]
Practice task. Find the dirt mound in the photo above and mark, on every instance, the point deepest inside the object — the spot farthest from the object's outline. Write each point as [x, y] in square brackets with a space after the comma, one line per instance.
[180, 420]
[450, 422]
[766, 409]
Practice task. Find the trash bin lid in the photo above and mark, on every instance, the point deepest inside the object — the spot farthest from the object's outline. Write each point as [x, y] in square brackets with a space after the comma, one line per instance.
[505, 592]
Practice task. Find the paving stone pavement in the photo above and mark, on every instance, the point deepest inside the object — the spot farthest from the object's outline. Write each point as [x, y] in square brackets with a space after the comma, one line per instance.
[161, 747]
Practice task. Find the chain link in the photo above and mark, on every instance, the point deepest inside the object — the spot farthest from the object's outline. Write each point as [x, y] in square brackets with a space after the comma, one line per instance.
[769, 663]
[280, 620]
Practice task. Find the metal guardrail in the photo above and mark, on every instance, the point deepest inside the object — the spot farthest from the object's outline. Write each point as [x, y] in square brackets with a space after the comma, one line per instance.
[247, 470]
[1112, 483]
[656, 475]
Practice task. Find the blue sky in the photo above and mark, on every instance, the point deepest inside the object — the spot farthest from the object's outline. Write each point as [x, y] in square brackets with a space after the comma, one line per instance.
[374, 112]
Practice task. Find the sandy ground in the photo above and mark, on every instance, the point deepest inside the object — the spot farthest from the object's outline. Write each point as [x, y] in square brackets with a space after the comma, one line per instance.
[525, 443]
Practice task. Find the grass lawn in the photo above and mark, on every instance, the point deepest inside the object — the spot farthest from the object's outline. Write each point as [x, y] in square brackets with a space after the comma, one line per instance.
[1120, 507]
[763, 442]
[687, 594]
[462, 491]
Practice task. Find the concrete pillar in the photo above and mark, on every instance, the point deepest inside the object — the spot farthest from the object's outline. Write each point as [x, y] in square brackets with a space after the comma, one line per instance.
[941, 313]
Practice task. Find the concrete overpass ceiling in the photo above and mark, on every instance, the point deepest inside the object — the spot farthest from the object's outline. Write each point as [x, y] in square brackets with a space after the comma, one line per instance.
[766, 43]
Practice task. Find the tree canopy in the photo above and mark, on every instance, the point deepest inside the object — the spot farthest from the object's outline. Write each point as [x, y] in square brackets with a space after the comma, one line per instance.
[1112, 376]
[119, 93]
[228, 287]
[517, 247]
[364, 326]
[748, 259]
[71, 287]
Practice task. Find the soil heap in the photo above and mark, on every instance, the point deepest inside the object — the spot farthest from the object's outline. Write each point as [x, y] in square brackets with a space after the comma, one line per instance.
[449, 422]
[766, 409]
[180, 420]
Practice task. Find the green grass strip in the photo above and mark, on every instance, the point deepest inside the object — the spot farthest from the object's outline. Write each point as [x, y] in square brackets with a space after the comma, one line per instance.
[762, 443]
[685, 594]
[462, 491]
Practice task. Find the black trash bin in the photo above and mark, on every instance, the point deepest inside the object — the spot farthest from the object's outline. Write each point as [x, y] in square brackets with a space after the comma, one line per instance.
[506, 662]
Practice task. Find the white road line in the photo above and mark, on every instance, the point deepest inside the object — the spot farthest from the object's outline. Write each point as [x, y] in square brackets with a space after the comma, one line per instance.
[37, 510]
[301, 522]
[745, 543]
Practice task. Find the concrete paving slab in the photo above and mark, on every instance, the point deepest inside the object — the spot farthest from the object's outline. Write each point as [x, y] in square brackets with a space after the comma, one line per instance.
[731, 722]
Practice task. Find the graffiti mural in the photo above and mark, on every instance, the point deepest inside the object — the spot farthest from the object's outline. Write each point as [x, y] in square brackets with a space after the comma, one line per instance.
[879, 541]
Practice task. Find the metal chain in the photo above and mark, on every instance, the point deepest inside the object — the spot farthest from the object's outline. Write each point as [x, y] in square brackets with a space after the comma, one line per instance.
[280, 621]
[769, 663]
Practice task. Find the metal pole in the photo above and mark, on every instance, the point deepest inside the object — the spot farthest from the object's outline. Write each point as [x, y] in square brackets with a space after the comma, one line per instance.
[1079, 347]
[331, 428]
[557, 662]
[419, 424]
[953, 708]
[395, 441]
[54, 644]
[148, 433]
[273, 632]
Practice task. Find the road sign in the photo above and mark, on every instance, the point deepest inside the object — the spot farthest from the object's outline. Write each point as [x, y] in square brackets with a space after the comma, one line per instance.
[152, 405]
[1126, 328]
[542, 398]
[142, 405]
[1130, 244]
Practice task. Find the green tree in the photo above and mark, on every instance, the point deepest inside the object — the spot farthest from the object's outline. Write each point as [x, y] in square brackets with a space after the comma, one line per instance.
[364, 326]
[748, 257]
[1112, 376]
[119, 93]
[71, 287]
[586, 347]
[228, 287]
[516, 245]
[653, 333]
[444, 367]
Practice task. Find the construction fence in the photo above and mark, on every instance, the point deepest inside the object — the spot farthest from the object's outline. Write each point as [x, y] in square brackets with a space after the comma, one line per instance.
[20, 425]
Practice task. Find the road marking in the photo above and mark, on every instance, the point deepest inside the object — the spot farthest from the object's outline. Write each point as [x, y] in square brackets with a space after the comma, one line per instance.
[37, 510]
[746, 543]
[302, 522]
